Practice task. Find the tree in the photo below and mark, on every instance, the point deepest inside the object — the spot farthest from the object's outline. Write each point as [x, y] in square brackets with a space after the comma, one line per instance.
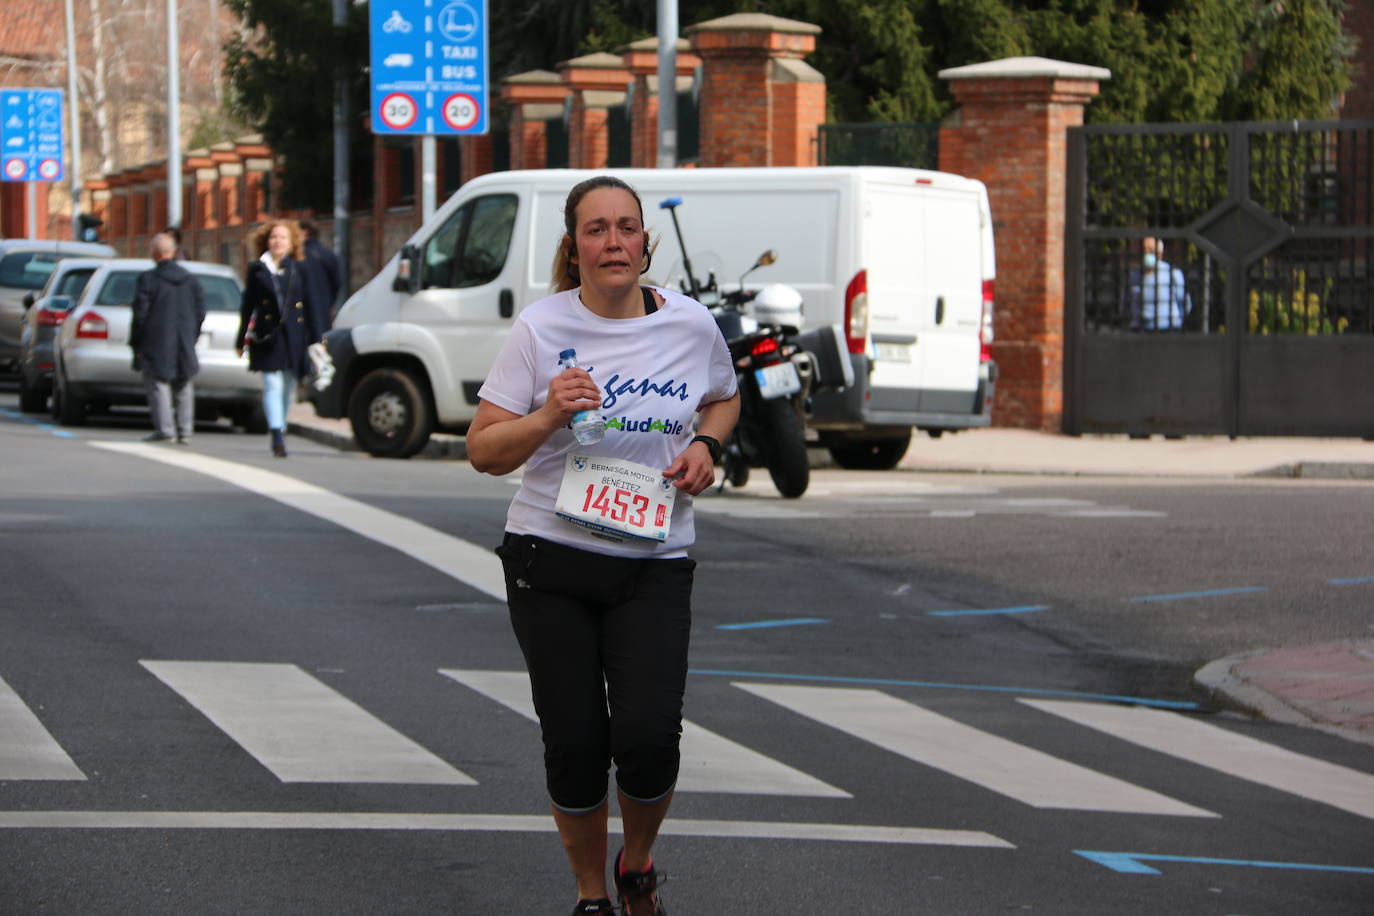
[281, 70]
[1301, 66]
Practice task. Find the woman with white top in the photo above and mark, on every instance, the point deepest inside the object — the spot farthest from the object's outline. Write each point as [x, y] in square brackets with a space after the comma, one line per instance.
[598, 579]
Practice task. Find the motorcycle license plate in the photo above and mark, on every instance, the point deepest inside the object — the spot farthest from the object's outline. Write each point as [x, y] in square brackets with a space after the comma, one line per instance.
[778, 380]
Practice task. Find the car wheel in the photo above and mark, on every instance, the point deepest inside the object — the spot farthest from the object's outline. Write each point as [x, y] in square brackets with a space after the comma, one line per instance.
[68, 409]
[31, 400]
[390, 414]
[252, 418]
[871, 454]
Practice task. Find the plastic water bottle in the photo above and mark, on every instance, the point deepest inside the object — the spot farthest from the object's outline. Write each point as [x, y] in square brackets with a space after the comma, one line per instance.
[588, 426]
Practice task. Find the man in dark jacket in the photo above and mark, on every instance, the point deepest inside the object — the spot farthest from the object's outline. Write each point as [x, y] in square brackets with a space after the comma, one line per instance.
[168, 310]
[322, 274]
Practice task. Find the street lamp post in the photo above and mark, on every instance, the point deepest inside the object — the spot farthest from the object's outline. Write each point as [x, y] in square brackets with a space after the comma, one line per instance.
[667, 84]
[173, 118]
[74, 112]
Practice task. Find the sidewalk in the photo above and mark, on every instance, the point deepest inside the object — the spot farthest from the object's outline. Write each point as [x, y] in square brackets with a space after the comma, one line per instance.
[1330, 687]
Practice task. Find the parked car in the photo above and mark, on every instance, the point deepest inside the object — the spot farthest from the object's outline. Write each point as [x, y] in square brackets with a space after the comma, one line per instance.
[43, 315]
[24, 267]
[93, 365]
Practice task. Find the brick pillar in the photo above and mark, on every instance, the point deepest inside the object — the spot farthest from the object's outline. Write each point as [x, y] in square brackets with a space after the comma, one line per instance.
[534, 98]
[596, 81]
[475, 156]
[641, 59]
[1009, 132]
[760, 102]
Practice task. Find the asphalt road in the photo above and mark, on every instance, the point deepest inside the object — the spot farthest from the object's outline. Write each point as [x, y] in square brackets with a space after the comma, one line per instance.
[233, 684]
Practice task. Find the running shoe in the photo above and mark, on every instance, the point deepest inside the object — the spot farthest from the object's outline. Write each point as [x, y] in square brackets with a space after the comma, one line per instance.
[637, 890]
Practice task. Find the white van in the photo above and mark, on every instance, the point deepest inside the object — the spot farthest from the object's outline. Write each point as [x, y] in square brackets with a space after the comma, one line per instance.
[900, 260]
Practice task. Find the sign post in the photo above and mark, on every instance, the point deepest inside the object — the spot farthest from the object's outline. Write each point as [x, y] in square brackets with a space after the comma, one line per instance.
[31, 142]
[429, 73]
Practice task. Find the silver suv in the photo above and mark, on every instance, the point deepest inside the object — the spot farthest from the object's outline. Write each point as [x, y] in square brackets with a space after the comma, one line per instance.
[93, 365]
[24, 268]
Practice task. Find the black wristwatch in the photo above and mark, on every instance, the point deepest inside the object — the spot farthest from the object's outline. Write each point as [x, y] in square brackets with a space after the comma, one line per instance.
[713, 445]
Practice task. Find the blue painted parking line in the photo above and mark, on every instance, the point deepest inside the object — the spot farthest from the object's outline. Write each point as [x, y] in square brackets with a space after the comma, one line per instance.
[1184, 705]
[1025, 609]
[1359, 580]
[762, 624]
[1210, 593]
[46, 427]
[1133, 863]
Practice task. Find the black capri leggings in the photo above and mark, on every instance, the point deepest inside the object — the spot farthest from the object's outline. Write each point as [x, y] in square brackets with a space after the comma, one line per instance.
[605, 641]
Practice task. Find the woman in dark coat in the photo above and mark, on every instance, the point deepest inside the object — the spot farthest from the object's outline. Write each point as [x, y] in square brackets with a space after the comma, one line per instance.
[278, 320]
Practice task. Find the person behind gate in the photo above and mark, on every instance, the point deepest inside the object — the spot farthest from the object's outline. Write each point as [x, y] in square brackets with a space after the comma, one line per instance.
[168, 310]
[598, 579]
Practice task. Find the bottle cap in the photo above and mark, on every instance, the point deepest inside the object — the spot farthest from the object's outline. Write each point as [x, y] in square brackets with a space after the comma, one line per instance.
[567, 354]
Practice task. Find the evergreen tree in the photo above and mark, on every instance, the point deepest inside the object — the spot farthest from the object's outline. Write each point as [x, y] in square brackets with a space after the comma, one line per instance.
[280, 72]
[1301, 63]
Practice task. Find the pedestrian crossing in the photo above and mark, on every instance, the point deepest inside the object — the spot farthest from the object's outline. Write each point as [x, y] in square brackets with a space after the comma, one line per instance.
[302, 730]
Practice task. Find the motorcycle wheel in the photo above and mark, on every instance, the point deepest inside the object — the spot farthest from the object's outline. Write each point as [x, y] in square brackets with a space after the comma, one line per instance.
[788, 464]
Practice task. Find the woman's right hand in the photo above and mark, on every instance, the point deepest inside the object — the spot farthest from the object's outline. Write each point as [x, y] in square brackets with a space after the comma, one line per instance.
[571, 391]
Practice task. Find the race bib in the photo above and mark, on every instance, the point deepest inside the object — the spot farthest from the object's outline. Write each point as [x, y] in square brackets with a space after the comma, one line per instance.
[616, 498]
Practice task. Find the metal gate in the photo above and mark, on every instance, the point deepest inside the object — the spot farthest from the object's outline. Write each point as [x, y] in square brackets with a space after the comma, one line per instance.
[1256, 314]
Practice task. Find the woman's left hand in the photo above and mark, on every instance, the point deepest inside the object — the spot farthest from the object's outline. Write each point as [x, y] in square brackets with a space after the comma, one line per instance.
[692, 471]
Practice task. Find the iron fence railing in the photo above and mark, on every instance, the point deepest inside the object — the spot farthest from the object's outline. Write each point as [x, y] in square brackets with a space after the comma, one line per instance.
[914, 145]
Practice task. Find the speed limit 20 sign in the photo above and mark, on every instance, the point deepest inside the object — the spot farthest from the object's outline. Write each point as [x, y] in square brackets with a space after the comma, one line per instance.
[429, 66]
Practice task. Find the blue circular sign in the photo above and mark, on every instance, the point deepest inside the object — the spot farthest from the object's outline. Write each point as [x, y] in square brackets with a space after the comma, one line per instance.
[458, 22]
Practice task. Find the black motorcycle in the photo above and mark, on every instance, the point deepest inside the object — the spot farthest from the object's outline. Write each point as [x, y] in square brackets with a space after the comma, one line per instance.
[774, 372]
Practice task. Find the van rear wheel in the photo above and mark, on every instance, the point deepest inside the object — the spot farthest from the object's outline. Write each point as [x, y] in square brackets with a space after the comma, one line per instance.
[871, 454]
[390, 413]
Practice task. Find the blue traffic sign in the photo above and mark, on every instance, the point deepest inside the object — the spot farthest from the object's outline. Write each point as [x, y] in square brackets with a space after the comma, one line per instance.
[429, 66]
[31, 134]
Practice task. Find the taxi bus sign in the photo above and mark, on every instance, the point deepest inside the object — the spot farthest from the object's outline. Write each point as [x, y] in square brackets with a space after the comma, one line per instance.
[429, 66]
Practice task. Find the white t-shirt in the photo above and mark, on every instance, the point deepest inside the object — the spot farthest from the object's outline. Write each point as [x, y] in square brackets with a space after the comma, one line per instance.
[654, 371]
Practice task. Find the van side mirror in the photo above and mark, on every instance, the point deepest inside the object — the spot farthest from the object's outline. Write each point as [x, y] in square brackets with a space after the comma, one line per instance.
[408, 271]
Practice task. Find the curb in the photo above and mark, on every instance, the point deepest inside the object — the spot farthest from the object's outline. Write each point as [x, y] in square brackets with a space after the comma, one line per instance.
[1217, 677]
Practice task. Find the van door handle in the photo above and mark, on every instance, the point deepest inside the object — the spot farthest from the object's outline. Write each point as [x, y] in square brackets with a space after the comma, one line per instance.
[507, 303]
[940, 310]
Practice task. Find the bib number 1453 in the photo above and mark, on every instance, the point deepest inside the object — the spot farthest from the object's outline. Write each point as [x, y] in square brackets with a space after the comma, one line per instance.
[616, 497]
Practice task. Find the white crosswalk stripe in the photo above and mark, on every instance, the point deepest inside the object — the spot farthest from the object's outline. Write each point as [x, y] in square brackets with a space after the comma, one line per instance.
[299, 728]
[1236, 755]
[710, 762]
[1003, 766]
[27, 749]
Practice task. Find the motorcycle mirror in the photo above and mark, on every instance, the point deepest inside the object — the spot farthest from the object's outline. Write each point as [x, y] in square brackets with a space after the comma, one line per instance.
[768, 257]
[669, 203]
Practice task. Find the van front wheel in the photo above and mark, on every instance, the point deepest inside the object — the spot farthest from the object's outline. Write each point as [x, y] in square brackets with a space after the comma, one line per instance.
[390, 414]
